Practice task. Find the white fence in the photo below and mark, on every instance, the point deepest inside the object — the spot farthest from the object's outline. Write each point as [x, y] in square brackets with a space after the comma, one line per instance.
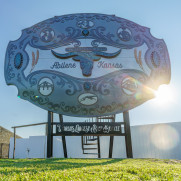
[148, 141]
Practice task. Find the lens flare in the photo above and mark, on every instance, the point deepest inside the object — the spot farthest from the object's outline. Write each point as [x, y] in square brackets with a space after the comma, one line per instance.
[164, 137]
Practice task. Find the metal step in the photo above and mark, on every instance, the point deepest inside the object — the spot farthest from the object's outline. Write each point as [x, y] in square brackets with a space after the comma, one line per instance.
[90, 148]
[91, 153]
[90, 144]
[93, 139]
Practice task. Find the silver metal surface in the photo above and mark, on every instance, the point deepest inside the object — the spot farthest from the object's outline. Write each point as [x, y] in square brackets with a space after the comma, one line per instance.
[87, 64]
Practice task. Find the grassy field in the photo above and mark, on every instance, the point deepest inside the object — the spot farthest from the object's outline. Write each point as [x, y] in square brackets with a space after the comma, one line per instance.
[90, 169]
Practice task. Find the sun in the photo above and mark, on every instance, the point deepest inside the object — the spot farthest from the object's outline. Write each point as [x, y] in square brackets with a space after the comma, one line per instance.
[164, 95]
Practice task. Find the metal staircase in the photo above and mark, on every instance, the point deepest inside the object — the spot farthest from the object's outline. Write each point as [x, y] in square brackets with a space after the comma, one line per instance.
[91, 144]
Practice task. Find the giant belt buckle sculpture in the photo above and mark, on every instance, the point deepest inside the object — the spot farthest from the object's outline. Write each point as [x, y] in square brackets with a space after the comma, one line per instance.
[87, 64]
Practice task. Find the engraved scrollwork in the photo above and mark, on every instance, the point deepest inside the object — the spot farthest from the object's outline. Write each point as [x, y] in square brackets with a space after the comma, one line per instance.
[34, 98]
[22, 42]
[37, 27]
[44, 24]
[124, 34]
[98, 34]
[74, 109]
[11, 50]
[10, 73]
[149, 41]
[105, 17]
[155, 59]
[20, 81]
[71, 109]
[104, 109]
[61, 82]
[100, 37]
[67, 18]
[71, 85]
[91, 111]
[70, 37]
[34, 40]
[160, 46]
[71, 89]
[53, 106]
[33, 81]
[135, 26]
[138, 40]
[104, 86]
[47, 35]
[95, 43]
[85, 23]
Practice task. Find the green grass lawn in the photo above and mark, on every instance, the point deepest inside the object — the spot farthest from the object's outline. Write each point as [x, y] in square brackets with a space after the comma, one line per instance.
[89, 169]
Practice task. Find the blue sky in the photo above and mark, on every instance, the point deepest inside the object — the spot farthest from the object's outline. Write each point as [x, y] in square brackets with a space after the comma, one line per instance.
[162, 17]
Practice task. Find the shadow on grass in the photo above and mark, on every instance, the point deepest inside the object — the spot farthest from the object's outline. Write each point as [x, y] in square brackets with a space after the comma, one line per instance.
[39, 165]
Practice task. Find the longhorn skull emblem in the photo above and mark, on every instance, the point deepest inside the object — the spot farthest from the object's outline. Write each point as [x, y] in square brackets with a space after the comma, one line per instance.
[86, 58]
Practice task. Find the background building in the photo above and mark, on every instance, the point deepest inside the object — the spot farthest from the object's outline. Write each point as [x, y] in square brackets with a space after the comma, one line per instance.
[5, 136]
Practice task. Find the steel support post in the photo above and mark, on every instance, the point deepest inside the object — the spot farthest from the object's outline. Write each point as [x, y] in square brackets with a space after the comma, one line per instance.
[127, 135]
[63, 137]
[111, 146]
[49, 135]
[111, 142]
[98, 145]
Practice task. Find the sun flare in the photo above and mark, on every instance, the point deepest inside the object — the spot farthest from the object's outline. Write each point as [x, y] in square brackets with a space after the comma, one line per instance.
[164, 95]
